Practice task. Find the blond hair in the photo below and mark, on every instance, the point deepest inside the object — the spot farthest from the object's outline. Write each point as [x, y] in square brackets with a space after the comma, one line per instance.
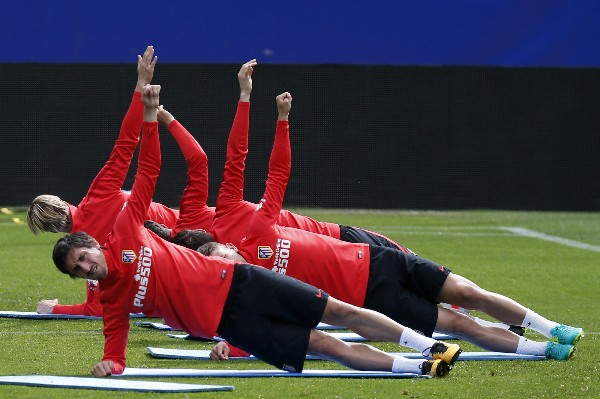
[48, 213]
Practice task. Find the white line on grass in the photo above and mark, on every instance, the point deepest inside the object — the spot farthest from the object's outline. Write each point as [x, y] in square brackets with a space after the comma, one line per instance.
[47, 332]
[444, 233]
[559, 240]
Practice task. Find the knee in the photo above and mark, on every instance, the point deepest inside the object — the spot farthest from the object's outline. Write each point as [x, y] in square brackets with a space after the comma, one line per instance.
[470, 296]
[326, 345]
[341, 311]
[454, 322]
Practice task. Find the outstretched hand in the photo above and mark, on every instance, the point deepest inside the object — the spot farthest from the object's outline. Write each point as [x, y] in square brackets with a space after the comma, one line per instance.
[284, 105]
[145, 68]
[245, 79]
[46, 306]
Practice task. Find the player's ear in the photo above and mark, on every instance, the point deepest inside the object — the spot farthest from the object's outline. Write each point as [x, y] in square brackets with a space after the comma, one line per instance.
[231, 246]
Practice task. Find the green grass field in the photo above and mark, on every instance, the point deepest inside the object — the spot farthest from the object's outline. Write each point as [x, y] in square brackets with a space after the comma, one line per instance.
[557, 279]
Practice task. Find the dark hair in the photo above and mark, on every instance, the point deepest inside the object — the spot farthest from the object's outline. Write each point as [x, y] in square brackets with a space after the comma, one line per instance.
[159, 229]
[65, 244]
[207, 248]
[192, 239]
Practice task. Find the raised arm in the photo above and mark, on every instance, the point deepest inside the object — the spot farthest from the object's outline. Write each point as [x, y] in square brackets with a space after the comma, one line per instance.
[194, 213]
[280, 165]
[116, 322]
[149, 160]
[91, 306]
[112, 176]
[232, 186]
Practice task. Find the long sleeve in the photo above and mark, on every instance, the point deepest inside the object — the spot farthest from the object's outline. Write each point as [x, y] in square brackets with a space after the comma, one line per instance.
[149, 162]
[232, 186]
[113, 174]
[97, 211]
[194, 213]
[91, 306]
[116, 319]
[279, 172]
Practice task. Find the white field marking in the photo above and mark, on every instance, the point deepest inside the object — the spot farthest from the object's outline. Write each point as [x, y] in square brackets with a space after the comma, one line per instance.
[466, 231]
[48, 332]
[521, 231]
[444, 233]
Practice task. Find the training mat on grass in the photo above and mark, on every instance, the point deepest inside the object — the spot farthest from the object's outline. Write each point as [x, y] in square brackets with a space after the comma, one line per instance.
[192, 354]
[109, 384]
[156, 326]
[344, 336]
[35, 315]
[142, 372]
[165, 327]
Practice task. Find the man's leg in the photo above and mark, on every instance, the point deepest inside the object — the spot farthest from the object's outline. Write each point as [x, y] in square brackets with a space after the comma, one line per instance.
[378, 327]
[465, 293]
[366, 357]
[464, 327]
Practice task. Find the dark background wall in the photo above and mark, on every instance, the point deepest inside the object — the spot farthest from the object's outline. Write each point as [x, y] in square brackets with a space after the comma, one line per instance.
[362, 136]
[397, 104]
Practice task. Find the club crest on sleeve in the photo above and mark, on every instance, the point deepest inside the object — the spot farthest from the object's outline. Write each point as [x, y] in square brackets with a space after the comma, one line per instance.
[128, 256]
[264, 252]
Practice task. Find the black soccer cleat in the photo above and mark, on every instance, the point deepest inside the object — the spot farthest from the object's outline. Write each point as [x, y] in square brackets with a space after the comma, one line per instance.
[517, 330]
[446, 352]
[435, 368]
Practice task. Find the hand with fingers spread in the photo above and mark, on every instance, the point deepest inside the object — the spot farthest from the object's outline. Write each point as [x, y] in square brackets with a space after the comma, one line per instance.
[145, 68]
[245, 79]
[284, 105]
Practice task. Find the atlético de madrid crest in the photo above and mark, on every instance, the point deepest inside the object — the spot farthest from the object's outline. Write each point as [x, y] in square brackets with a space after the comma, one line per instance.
[264, 252]
[128, 256]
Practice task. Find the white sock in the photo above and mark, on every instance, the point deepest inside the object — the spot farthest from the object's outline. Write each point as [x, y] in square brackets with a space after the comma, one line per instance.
[528, 347]
[412, 339]
[538, 323]
[405, 365]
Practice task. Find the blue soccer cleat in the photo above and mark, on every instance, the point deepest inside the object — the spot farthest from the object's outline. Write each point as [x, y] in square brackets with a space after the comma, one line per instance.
[559, 351]
[566, 335]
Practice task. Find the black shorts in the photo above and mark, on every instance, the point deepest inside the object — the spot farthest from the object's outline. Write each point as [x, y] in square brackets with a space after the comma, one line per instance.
[271, 316]
[405, 288]
[357, 234]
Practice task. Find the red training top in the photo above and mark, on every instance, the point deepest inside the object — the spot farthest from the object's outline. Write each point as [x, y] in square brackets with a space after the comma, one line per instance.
[233, 213]
[98, 210]
[150, 275]
[340, 268]
[193, 211]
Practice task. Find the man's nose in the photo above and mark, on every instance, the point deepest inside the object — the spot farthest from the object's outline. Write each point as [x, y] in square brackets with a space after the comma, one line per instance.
[85, 267]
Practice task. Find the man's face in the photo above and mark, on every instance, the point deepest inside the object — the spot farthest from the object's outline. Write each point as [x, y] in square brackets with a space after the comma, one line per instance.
[88, 263]
[227, 251]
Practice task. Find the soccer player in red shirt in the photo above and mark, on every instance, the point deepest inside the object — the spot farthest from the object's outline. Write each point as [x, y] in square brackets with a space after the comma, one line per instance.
[269, 314]
[97, 211]
[233, 212]
[401, 285]
[195, 216]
